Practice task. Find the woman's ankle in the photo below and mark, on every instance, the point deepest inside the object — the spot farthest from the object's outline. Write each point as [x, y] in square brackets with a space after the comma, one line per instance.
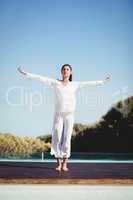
[64, 163]
[59, 161]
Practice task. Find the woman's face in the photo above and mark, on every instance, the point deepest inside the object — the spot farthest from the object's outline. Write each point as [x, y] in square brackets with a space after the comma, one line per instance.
[66, 71]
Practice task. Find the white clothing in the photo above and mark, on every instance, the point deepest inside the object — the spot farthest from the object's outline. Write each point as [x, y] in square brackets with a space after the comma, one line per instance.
[65, 94]
[61, 134]
[64, 111]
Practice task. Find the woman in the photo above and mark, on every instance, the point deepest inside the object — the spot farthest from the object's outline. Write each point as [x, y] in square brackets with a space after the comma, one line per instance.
[63, 122]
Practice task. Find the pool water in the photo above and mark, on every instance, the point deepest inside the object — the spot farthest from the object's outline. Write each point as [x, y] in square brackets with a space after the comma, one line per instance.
[80, 158]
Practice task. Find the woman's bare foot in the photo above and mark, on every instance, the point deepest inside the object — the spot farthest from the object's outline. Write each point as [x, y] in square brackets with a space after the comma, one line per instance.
[64, 168]
[58, 168]
[64, 164]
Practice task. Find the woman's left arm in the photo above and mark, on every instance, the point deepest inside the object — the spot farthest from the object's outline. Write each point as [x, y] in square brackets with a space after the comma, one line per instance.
[81, 84]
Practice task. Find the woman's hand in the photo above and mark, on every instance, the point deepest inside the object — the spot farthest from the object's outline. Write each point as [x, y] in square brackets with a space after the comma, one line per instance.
[21, 70]
[108, 77]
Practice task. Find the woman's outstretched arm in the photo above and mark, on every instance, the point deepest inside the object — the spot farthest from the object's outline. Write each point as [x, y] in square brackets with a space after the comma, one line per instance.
[46, 80]
[81, 84]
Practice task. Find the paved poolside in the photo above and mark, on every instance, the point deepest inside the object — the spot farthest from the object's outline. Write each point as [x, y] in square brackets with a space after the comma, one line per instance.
[79, 173]
[65, 192]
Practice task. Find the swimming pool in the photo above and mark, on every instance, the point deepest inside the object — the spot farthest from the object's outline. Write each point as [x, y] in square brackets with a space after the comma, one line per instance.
[80, 158]
[69, 161]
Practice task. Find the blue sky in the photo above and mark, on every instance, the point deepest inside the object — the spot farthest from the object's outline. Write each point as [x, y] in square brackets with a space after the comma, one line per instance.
[94, 36]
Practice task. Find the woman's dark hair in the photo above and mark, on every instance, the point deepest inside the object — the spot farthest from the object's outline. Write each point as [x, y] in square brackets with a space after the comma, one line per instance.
[70, 77]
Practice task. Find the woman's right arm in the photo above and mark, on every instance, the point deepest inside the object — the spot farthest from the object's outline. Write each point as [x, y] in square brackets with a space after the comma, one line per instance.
[46, 80]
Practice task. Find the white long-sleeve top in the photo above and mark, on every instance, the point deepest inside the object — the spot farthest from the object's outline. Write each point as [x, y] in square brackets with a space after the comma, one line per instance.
[65, 98]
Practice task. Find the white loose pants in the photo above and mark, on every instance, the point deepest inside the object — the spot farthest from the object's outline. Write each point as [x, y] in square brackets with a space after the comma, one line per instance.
[61, 134]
